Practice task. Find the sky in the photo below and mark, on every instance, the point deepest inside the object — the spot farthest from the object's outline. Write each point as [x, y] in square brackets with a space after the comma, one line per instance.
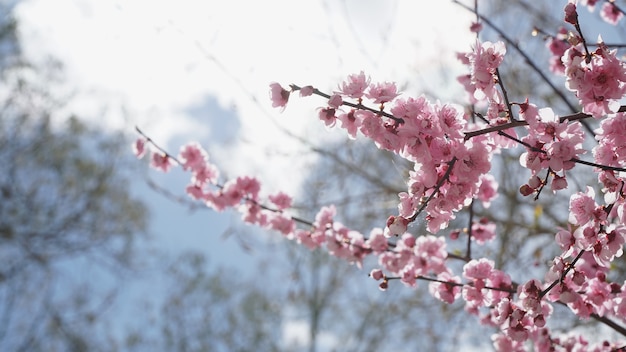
[189, 70]
[199, 71]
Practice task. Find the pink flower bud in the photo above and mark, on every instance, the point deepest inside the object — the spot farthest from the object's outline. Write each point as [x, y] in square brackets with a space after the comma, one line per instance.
[396, 225]
[306, 91]
[526, 190]
[570, 14]
[376, 274]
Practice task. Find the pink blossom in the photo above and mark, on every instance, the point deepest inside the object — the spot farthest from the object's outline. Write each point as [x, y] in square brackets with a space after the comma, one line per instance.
[610, 13]
[396, 225]
[327, 115]
[371, 125]
[483, 231]
[478, 269]
[599, 83]
[249, 186]
[506, 344]
[518, 333]
[376, 274]
[281, 200]
[335, 101]
[483, 61]
[377, 241]
[207, 173]
[350, 122]
[307, 239]
[590, 4]
[558, 44]
[306, 91]
[161, 162]
[581, 207]
[408, 205]
[355, 85]
[433, 250]
[230, 195]
[139, 147]
[279, 96]
[570, 13]
[561, 152]
[558, 183]
[408, 275]
[476, 27]
[566, 241]
[195, 191]
[444, 292]
[487, 190]
[529, 296]
[324, 218]
[590, 237]
[282, 223]
[382, 92]
[610, 245]
[192, 156]
[611, 136]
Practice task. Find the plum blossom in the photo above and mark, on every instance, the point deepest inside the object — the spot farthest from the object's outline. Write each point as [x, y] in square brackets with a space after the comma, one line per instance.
[483, 62]
[478, 269]
[350, 122]
[377, 241]
[396, 225]
[476, 27]
[279, 96]
[335, 101]
[611, 137]
[590, 4]
[281, 223]
[324, 218]
[581, 207]
[571, 16]
[327, 115]
[161, 161]
[610, 13]
[355, 85]
[488, 189]
[376, 274]
[599, 82]
[610, 245]
[483, 231]
[557, 46]
[192, 156]
[139, 147]
[566, 241]
[281, 200]
[205, 174]
[382, 92]
[445, 292]
[553, 143]
[306, 91]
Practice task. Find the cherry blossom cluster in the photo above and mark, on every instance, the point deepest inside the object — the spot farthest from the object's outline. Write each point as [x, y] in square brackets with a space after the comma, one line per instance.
[448, 169]
[551, 144]
[598, 78]
[451, 151]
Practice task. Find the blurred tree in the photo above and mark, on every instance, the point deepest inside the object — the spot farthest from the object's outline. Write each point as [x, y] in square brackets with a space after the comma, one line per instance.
[209, 309]
[68, 223]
